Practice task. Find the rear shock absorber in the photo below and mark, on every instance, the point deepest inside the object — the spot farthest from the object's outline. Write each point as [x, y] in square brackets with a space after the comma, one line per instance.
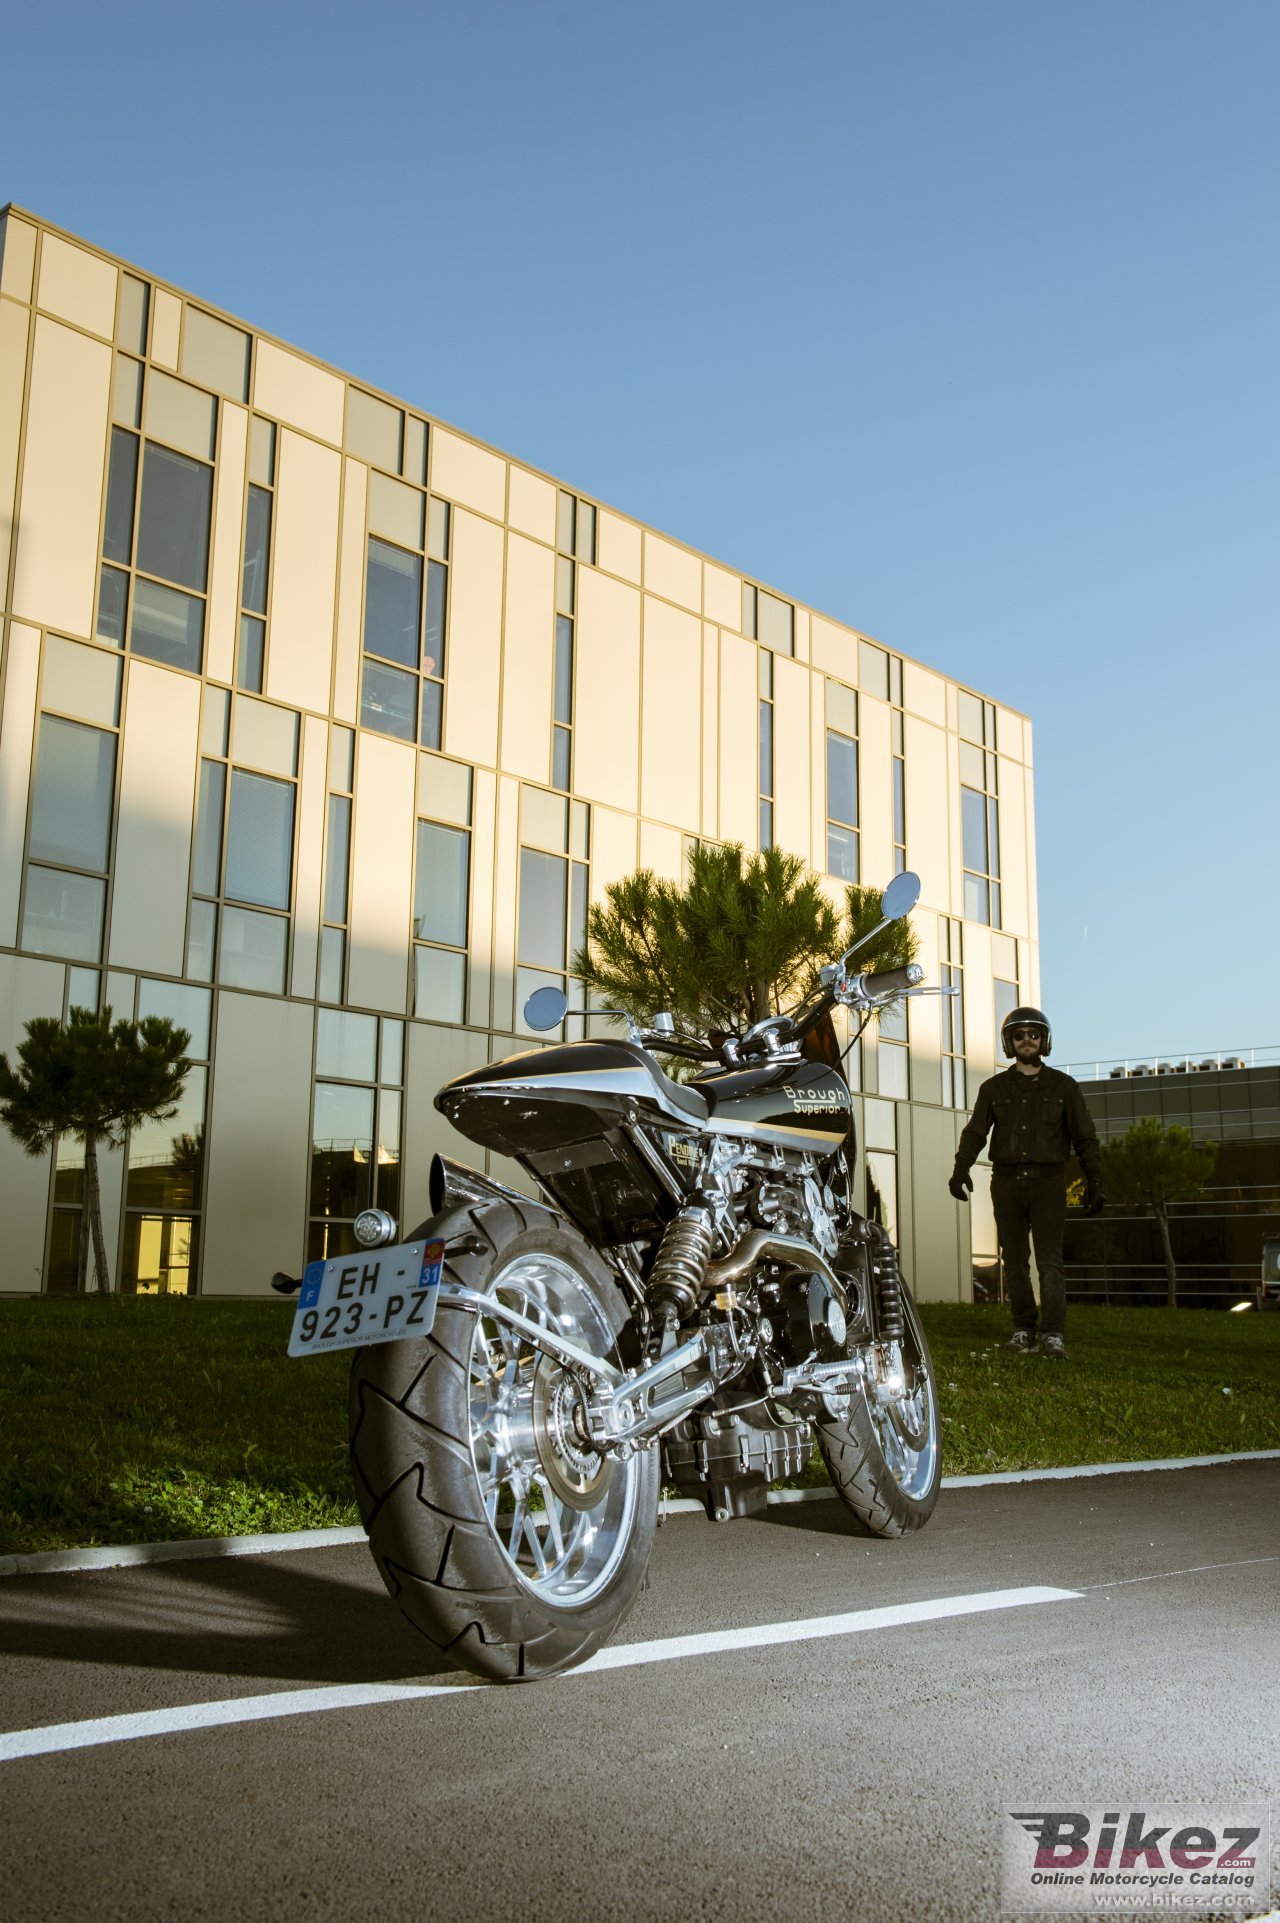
[680, 1266]
[888, 1279]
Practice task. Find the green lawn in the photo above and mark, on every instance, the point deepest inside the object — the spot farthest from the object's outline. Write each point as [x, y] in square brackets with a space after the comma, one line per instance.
[142, 1419]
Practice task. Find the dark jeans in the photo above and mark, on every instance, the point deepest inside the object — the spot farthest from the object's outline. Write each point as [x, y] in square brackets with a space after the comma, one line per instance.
[1032, 1207]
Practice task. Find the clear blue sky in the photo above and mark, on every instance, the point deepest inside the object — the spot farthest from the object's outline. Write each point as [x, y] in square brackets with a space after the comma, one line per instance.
[957, 321]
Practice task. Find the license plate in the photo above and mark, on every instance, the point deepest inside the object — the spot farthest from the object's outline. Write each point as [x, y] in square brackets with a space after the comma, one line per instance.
[378, 1295]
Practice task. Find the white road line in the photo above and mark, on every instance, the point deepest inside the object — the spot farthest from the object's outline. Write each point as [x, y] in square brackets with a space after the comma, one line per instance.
[57, 1737]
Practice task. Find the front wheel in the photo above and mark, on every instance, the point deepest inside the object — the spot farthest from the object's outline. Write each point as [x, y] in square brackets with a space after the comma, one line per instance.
[883, 1457]
[505, 1538]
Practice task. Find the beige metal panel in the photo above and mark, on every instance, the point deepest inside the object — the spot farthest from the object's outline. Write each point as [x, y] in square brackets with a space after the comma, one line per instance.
[924, 1020]
[180, 414]
[710, 826]
[166, 327]
[1013, 849]
[81, 682]
[803, 645]
[17, 257]
[435, 1056]
[1009, 732]
[721, 596]
[791, 764]
[739, 744]
[1026, 742]
[614, 852]
[875, 800]
[544, 820]
[1032, 989]
[924, 693]
[215, 354]
[818, 786]
[618, 546]
[527, 658]
[506, 886]
[157, 802]
[672, 572]
[17, 732]
[928, 847]
[351, 569]
[473, 656]
[484, 811]
[304, 573]
[606, 739]
[264, 736]
[298, 393]
[27, 989]
[259, 1141]
[14, 325]
[57, 560]
[444, 790]
[468, 474]
[382, 872]
[395, 510]
[954, 824]
[312, 789]
[531, 505]
[77, 286]
[662, 850]
[1004, 957]
[953, 707]
[1033, 907]
[936, 1274]
[671, 716]
[979, 1006]
[227, 559]
[834, 649]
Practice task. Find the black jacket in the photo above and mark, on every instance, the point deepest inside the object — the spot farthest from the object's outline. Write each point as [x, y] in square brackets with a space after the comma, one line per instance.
[1038, 1119]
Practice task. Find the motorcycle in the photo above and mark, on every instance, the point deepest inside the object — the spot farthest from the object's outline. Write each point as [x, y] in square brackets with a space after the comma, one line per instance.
[692, 1303]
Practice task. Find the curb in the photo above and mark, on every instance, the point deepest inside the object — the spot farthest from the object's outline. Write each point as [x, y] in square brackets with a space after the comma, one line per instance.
[54, 1562]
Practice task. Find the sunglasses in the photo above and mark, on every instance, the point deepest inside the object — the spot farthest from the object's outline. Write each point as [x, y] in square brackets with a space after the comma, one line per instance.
[1026, 1034]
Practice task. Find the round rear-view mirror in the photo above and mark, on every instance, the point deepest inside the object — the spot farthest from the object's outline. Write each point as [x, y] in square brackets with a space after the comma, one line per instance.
[900, 897]
[545, 1009]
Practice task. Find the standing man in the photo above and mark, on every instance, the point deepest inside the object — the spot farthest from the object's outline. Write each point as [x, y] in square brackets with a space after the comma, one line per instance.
[1039, 1118]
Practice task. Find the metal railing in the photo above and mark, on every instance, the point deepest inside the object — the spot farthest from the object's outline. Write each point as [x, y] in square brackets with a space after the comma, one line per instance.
[1181, 1063]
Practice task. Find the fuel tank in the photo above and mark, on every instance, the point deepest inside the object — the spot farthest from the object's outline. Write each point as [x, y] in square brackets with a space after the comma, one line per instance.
[795, 1104]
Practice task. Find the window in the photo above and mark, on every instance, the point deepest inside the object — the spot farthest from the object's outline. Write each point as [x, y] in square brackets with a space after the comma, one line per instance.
[880, 1130]
[242, 877]
[1006, 1000]
[764, 744]
[842, 782]
[980, 816]
[552, 909]
[899, 772]
[575, 537]
[165, 1161]
[70, 834]
[356, 1126]
[441, 900]
[251, 641]
[893, 1053]
[405, 630]
[337, 865]
[768, 619]
[576, 527]
[950, 940]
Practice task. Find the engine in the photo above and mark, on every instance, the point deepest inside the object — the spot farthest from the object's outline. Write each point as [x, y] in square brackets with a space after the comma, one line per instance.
[727, 1455]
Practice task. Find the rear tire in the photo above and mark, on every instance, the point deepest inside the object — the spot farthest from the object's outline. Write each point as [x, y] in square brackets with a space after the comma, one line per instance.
[511, 1545]
[884, 1459]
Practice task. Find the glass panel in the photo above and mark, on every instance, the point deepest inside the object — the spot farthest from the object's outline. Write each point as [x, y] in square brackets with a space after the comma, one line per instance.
[393, 603]
[873, 669]
[166, 1159]
[892, 1022]
[439, 984]
[993, 767]
[391, 1053]
[1006, 1000]
[896, 733]
[126, 391]
[332, 946]
[976, 905]
[373, 429]
[433, 638]
[187, 1008]
[63, 915]
[972, 770]
[565, 514]
[180, 415]
[882, 1190]
[899, 861]
[84, 985]
[564, 585]
[113, 602]
[764, 674]
[766, 748]
[529, 979]
[252, 952]
[842, 779]
[414, 466]
[342, 746]
[993, 835]
[438, 529]
[64, 1253]
[970, 717]
[441, 871]
[215, 355]
[585, 545]
[327, 1241]
[336, 856]
[899, 802]
[131, 330]
[956, 1004]
[432, 714]
[895, 680]
[341, 1150]
[560, 757]
[259, 840]
[167, 626]
[251, 651]
[215, 721]
[346, 1045]
[389, 701]
[893, 1071]
[748, 611]
[577, 909]
[842, 852]
[159, 1254]
[122, 476]
[766, 824]
[995, 905]
[173, 518]
[562, 708]
[542, 909]
[75, 779]
[208, 863]
[201, 940]
[257, 547]
[973, 811]
[387, 1153]
[777, 623]
[262, 451]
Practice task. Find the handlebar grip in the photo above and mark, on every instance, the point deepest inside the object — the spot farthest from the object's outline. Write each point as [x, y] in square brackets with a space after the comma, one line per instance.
[892, 981]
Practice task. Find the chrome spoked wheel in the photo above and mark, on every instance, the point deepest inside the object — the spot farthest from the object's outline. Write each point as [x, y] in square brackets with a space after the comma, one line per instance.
[906, 1425]
[562, 1514]
[881, 1448]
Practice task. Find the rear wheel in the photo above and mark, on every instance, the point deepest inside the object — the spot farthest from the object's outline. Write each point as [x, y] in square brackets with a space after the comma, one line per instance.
[883, 1457]
[505, 1538]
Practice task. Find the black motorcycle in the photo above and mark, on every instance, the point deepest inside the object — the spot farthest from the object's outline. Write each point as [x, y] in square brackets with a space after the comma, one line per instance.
[693, 1302]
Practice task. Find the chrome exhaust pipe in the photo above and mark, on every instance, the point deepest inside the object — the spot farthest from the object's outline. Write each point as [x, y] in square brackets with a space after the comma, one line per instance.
[762, 1245]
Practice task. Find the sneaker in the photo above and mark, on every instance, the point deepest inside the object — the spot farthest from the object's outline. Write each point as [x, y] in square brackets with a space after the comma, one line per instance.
[1021, 1342]
[1053, 1345]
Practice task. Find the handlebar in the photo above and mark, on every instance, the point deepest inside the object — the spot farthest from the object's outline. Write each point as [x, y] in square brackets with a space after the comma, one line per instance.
[891, 981]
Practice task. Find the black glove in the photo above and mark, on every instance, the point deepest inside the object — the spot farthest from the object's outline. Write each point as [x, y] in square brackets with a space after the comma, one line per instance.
[1094, 1200]
[961, 1185]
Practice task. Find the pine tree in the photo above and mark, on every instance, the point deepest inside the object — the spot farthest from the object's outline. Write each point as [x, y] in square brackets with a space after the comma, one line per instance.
[1150, 1166]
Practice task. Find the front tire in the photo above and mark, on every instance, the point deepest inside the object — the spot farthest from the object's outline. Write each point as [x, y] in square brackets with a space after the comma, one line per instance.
[510, 1544]
[884, 1459]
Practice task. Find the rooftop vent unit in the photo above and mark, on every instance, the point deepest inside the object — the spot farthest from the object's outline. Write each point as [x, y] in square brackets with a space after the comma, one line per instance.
[1230, 1061]
[1140, 1068]
[1118, 1073]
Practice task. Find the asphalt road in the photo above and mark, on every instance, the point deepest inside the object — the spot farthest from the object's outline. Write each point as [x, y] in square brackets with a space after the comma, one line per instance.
[851, 1775]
